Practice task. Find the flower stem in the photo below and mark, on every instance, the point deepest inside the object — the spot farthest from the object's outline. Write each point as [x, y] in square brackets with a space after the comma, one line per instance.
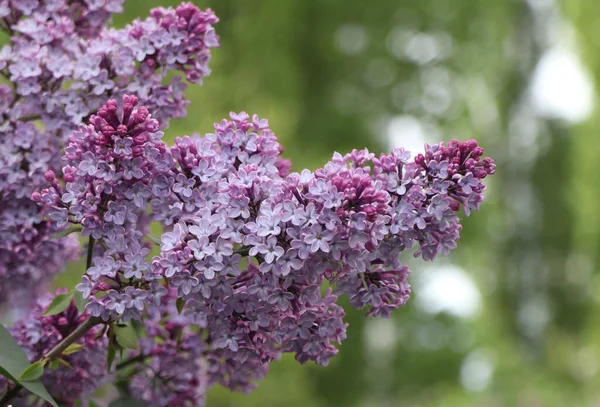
[130, 361]
[72, 338]
[67, 232]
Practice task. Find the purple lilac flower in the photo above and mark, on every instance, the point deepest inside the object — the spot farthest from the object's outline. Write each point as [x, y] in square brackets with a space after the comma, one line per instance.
[115, 217]
[346, 223]
[64, 64]
[29, 255]
[247, 246]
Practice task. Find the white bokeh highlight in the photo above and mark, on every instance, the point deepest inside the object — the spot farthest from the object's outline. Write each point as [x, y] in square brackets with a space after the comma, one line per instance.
[562, 87]
[477, 370]
[448, 288]
[408, 132]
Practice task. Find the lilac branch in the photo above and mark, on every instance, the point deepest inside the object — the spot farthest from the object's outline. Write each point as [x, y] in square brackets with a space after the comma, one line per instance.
[73, 337]
[55, 353]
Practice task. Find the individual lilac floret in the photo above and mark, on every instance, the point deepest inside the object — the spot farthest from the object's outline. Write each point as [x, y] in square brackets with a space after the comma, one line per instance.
[37, 335]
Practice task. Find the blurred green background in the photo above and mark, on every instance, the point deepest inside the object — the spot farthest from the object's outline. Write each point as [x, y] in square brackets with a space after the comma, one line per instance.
[512, 317]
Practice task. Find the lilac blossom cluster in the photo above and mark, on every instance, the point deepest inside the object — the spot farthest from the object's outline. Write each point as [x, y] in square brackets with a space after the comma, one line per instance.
[252, 246]
[177, 362]
[29, 252]
[248, 246]
[114, 166]
[63, 64]
[82, 372]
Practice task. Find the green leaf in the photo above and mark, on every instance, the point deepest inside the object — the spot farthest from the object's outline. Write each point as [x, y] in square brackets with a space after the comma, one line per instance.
[138, 326]
[59, 304]
[126, 336]
[126, 402]
[54, 365]
[33, 372]
[72, 348]
[180, 303]
[93, 404]
[110, 356]
[13, 361]
[79, 301]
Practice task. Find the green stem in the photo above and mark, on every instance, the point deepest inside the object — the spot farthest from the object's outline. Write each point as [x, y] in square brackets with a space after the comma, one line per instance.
[29, 118]
[130, 361]
[72, 338]
[364, 281]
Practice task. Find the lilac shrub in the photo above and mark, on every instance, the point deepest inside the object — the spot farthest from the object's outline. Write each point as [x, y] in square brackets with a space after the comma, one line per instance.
[252, 258]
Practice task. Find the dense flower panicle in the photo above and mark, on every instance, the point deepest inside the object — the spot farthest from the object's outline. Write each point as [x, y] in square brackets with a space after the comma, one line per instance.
[63, 73]
[248, 246]
[185, 36]
[205, 165]
[142, 54]
[114, 165]
[64, 64]
[175, 374]
[29, 251]
[85, 17]
[179, 362]
[346, 223]
[37, 335]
